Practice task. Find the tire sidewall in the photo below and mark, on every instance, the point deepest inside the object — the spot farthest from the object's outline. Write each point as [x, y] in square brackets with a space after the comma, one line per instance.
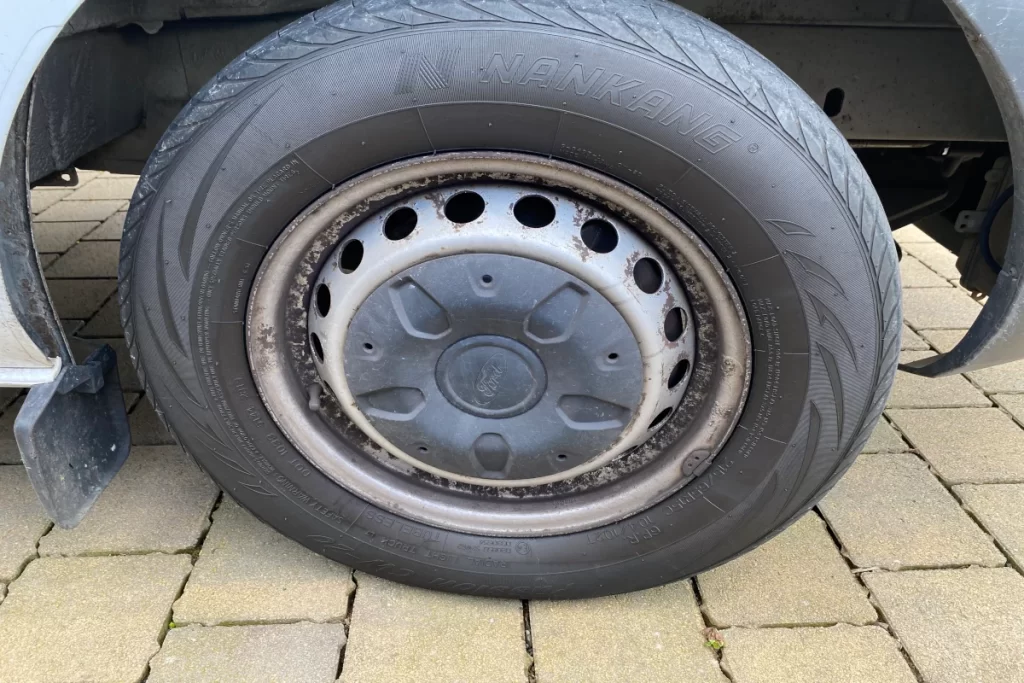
[775, 220]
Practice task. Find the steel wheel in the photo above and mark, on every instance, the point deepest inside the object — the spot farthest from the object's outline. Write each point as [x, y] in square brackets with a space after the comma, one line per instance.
[499, 344]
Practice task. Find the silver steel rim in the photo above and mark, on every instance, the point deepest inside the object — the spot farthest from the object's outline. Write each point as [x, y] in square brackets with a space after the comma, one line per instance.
[507, 294]
[633, 472]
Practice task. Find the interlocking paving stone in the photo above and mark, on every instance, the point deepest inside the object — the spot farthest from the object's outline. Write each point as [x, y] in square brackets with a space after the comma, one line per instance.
[111, 228]
[248, 573]
[914, 391]
[106, 188]
[80, 298]
[651, 635]
[935, 256]
[59, 237]
[889, 511]
[401, 634]
[71, 326]
[126, 371]
[998, 507]
[1006, 378]
[81, 619]
[957, 625]
[249, 654]
[914, 274]
[810, 583]
[44, 197]
[22, 522]
[885, 439]
[159, 501]
[912, 341]
[81, 211]
[106, 323]
[146, 428]
[910, 234]
[930, 309]
[837, 654]
[87, 259]
[1013, 404]
[966, 445]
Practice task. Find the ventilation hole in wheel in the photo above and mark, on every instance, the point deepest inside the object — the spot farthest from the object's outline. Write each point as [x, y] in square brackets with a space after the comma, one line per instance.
[648, 275]
[464, 207]
[534, 211]
[323, 300]
[599, 236]
[834, 100]
[351, 256]
[562, 456]
[612, 357]
[368, 347]
[400, 224]
[675, 323]
[423, 449]
[487, 279]
[662, 416]
[318, 348]
[678, 373]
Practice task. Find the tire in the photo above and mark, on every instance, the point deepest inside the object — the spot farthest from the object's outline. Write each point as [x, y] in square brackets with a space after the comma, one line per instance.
[770, 185]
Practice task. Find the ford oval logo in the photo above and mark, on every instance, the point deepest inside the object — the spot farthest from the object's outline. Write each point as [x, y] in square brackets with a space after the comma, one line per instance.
[488, 381]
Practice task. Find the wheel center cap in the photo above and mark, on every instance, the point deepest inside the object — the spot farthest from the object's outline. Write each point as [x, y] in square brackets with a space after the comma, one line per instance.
[491, 376]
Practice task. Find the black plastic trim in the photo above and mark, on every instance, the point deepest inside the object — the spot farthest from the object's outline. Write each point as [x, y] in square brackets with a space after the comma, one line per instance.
[997, 335]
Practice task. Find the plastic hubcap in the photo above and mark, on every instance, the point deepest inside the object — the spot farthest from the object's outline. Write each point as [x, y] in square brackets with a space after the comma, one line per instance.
[493, 366]
[490, 376]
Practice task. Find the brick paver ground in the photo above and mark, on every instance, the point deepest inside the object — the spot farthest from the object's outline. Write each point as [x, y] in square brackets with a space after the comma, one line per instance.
[909, 570]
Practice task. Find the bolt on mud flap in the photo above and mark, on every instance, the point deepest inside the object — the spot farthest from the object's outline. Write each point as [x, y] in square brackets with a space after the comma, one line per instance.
[73, 436]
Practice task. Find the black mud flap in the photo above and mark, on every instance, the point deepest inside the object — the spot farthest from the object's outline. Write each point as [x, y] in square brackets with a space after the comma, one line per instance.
[73, 436]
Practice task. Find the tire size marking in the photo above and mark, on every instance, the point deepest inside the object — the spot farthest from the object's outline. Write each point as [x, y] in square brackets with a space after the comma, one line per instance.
[421, 534]
[634, 531]
[761, 313]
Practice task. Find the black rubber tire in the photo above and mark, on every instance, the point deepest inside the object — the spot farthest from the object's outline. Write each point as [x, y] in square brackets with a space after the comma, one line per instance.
[769, 183]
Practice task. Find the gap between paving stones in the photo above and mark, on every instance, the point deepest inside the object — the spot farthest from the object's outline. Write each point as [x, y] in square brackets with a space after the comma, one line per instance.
[881, 620]
[709, 625]
[194, 553]
[347, 621]
[974, 518]
[531, 668]
[26, 563]
[963, 506]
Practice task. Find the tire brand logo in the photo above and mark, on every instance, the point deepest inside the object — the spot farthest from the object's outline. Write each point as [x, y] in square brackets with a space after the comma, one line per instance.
[619, 91]
[488, 380]
[418, 70]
